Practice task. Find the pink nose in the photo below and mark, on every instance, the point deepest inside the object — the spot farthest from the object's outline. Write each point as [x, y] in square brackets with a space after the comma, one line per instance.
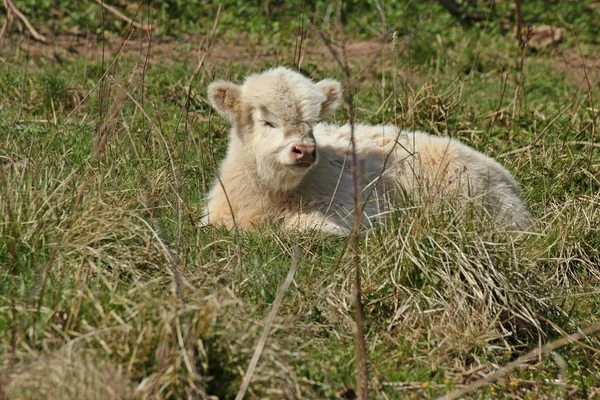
[304, 153]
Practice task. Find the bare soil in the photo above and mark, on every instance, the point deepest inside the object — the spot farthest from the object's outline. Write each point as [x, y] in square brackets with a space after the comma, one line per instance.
[189, 48]
[580, 71]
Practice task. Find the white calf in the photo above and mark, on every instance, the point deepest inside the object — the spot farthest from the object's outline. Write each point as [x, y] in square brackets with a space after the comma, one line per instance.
[282, 165]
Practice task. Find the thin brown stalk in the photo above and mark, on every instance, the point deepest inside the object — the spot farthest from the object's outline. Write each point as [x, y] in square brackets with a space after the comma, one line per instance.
[233, 219]
[520, 72]
[186, 111]
[142, 86]
[190, 365]
[268, 324]
[102, 88]
[360, 346]
[107, 113]
[38, 291]
[593, 113]
[97, 85]
[299, 37]
[535, 353]
[518, 19]
[502, 93]
[362, 376]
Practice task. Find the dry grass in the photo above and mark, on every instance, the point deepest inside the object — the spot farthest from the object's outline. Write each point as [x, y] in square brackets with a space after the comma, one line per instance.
[110, 290]
[62, 376]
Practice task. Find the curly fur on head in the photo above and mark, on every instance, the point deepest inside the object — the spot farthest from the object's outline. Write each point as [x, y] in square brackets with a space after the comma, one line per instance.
[273, 114]
[286, 93]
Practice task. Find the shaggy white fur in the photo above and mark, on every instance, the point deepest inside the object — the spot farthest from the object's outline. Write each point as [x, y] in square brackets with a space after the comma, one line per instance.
[282, 165]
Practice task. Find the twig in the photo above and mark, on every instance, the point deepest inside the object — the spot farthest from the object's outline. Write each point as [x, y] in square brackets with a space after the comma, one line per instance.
[520, 73]
[300, 33]
[268, 324]
[537, 352]
[593, 114]
[185, 114]
[362, 373]
[518, 19]
[209, 41]
[9, 5]
[179, 184]
[210, 152]
[498, 109]
[120, 15]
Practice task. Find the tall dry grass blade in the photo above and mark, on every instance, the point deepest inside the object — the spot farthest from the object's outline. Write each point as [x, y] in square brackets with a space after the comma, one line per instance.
[593, 113]
[268, 324]
[185, 114]
[537, 352]
[518, 18]
[300, 32]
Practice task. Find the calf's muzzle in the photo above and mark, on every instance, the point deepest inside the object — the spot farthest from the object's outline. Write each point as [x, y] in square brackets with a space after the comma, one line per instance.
[304, 154]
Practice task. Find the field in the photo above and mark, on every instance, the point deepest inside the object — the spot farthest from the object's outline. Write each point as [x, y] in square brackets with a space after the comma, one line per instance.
[110, 289]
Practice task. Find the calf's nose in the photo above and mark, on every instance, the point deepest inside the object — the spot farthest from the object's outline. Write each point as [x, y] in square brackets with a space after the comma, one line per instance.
[304, 153]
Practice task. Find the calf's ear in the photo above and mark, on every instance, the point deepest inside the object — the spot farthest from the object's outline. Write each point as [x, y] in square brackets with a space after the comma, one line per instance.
[225, 98]
[333, 96]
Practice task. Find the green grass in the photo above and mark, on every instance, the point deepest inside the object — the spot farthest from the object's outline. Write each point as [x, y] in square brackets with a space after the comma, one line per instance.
[105, 271]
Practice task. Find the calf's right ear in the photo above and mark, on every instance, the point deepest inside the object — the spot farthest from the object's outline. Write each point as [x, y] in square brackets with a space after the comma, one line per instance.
[225, 98]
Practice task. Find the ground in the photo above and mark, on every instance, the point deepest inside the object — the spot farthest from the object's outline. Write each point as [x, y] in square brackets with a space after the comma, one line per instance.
[107, 147]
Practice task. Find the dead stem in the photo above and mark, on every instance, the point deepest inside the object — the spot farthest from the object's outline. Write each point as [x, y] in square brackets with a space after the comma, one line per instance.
[537, 352]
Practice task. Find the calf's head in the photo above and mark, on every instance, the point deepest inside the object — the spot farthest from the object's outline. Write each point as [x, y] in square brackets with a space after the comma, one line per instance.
[273, 115]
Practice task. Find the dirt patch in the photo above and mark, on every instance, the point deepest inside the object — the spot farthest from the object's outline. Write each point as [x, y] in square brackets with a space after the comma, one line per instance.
[578, 70]
[190, 48]
[225, 52]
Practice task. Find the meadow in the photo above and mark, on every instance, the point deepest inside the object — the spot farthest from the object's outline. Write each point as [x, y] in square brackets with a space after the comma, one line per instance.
[110, 289]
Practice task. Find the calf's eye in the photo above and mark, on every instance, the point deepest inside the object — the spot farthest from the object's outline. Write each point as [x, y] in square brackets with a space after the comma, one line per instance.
[267, 124]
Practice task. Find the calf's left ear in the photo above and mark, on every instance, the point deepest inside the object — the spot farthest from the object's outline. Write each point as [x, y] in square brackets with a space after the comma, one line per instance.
[225, 98]
[333, 93]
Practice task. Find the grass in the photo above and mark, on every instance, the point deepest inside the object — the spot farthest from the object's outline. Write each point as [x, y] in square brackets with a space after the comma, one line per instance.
[110, 288]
